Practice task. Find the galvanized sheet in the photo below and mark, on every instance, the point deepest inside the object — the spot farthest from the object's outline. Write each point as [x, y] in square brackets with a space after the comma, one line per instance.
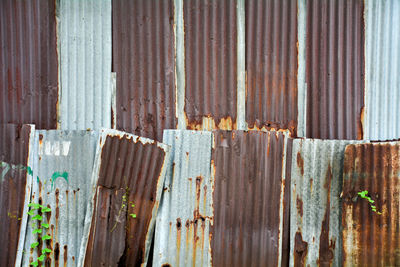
[144, 62]
[15, 188]
[249, 169]
[370, 238]
[382, 69]
[182, 228]
[335, 69]
[316, 177]
[28, 63]
[210, 64]
[128, 170]
[85, 80]
[56, 153]
[271, 64]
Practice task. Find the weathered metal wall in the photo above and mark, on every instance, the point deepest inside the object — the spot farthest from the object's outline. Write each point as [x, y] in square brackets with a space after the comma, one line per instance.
[144, 62]
[335, 69]
[129, 171]
[182, 228]
[271, 64]
[28, 63]
[85, 66]
[210, 31]
[62, 167]
[370, 238]
[382, 69]
[249, 169]
[316, 177]
[15, 188]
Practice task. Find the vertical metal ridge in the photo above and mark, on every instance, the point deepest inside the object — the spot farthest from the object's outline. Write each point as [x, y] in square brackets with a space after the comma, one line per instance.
[85, 33]
[271, 65]
[210, 64]
[335, 69]
[241, 64]
[28, 63]
[144, 60]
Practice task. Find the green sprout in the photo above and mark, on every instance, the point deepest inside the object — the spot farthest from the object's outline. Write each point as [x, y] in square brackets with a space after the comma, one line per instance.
[364, 195]
[123, 206]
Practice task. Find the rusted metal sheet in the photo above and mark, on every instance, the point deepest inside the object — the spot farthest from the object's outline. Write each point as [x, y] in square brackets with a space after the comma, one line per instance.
[15, 188]
[249, 171]
[144, 62]
[271, 64]
[128, 171]
[183, 222]
[316, 183]
[335, 69]
[210, 64]
[371, 238]
[28, 63]
[62, 167]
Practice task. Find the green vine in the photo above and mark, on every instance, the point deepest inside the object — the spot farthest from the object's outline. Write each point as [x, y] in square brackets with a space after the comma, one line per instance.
[123, 206]
[364, 195]
[40, 228]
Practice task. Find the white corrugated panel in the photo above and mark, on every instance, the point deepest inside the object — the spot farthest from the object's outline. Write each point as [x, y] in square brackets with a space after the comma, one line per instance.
[85, 67]
[184, 201]
[62, 169]
[382, 69]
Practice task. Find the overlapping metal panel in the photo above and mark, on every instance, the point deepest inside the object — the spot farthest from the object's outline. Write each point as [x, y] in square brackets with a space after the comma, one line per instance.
[15, 188]
[382, 69]
[85, 52]
[28, 63]
[335, 69]
[210, 29]
[128, 171]
[316, 177]
[271, 64]
[144, 62]
[371, 238]
[249, 169]
[183, 222]
[62, 167]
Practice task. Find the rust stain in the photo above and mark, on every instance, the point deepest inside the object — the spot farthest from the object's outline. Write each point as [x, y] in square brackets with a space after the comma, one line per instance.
[166, 265]
[299, 205]
[57, 209]
[300, 250]
[276, 127]
[65, 255]
[57, 255]
[361, 123]
[300, 163]
[208, 123]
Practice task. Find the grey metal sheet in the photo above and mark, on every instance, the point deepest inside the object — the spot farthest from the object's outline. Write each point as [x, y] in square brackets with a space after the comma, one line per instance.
[317, 170]
[182, 228]
[85, 66]
[382, 20]
[59, 152]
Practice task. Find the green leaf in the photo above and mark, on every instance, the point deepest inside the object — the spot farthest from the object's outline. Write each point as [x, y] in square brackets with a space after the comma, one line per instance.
[34, 245]
[46, 237]
[132, 215]
[35, 206]
[35, 263]
[41, 258]
[46, 209]
[37, 231]
[363, 193]
[45, 225]
[46, 250]
[31, 213]
[133, 205]
[37, 217]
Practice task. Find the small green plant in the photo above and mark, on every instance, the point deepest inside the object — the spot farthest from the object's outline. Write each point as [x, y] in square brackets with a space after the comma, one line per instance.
[39, 228]
[123, 207]
[364, 195]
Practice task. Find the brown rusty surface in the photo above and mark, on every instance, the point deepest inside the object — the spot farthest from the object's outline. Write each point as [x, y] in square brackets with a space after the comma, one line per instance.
[14, 149]
[335, 69]
[300, 251]
[144, 61]
[369, 238]
[135, 168]
[271, 64]
[210, 63]
[28, 63]
[246, 230]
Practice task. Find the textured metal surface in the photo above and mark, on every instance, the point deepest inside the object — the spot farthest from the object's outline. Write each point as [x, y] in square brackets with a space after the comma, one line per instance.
[71, 152]
[210, 64]
[15, 188]
[249, 169]
[335, 69]
[128, 170]
[382, 69]
[271, 64]
[28, 63]
[182, 228]
[316, 183]
[85, 80]
[144, 60]
[369, 238]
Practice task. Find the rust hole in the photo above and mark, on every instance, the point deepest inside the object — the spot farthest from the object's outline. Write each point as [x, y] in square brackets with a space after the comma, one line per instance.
[178, 223]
